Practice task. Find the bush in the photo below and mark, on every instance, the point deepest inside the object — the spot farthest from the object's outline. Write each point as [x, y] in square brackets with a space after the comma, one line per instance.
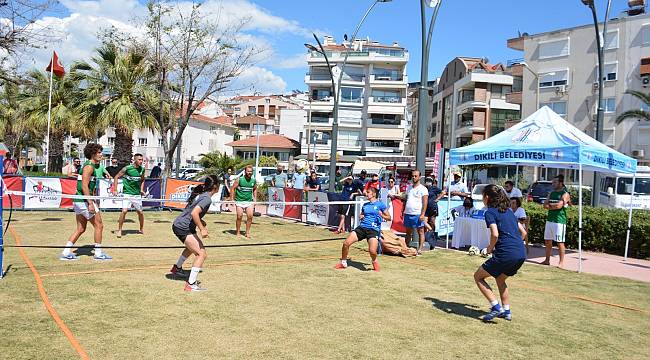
[263, 192]
[586, 195]
[603, 229]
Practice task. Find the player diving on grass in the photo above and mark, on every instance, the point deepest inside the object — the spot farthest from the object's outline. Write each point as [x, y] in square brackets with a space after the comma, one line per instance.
[133, 187]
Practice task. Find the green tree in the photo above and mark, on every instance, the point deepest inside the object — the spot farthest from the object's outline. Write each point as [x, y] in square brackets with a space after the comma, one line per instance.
[268, 161]
[120, 92]
[218, 163]
[65, 117]
[636, 114]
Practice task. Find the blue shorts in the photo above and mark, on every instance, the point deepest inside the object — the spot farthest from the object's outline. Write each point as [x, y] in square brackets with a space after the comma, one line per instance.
[413, 221]
[496, 267]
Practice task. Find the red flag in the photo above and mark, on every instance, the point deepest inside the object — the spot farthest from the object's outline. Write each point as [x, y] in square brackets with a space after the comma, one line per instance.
[58, 67]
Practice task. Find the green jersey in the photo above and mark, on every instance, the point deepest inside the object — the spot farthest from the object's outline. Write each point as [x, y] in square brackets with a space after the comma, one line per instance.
[132, 180]
[91, 184]
[244, 191]
[556, 216]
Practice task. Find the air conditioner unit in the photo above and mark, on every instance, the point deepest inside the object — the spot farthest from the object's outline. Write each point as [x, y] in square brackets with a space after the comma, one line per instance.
[645, 80]
[561, 89]
[639, 153]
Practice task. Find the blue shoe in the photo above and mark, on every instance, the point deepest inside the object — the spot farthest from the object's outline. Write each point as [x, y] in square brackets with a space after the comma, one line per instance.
[103, 256]
[69, 257]
[495, 311]
[506, 314]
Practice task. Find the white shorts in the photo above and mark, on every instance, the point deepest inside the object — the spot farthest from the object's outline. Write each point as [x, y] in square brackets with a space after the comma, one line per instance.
[81, 208]
[136, 203]
[554, 231]
[244, 205]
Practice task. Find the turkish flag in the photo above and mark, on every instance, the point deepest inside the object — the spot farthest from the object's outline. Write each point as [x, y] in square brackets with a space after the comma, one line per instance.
[57, 68]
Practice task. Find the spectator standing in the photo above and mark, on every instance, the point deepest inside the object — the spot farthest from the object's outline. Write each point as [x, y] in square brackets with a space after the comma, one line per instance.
[555, 230]
[347, 194]
[156, 171]
[339, 184]
[511, 190]
[457, 190]
[393, 189]
[113, 169]
[435, 194]
[9, 165]
[299, 178]
[374, 182]
[520, 214]
[73, 169]
[279, 180]
[417, 197]
[312, 183]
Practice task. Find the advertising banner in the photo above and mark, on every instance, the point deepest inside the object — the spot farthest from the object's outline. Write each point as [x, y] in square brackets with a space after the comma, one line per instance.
[13, 183]
[397, 225]
[178, 191]
[317, 213]
[103, 190]
[293, 211]
[276, 199]
[154, 189]
[47, 193]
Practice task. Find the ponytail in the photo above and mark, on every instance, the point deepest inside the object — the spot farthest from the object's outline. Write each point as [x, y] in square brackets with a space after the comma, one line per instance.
[198, 189]
[210, 183]
[497, 198]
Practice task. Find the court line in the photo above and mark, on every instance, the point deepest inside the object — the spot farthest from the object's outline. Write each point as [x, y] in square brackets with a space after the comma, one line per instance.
[46, 301]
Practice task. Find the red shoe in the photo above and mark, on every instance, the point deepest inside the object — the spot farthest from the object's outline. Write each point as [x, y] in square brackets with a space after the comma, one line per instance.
[339, 266]
[375, 265]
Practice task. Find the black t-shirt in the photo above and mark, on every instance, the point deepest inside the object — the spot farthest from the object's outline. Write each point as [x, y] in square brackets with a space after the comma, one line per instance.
[434, 192]
[155, 172]
[113, 170]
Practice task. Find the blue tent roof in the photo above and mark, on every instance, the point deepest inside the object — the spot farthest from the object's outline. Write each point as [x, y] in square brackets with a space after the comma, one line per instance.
[544, 139]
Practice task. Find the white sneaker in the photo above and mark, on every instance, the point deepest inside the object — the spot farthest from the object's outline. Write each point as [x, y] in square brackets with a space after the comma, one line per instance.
[194, 287]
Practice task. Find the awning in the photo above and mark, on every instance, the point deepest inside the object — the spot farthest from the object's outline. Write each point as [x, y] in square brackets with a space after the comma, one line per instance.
[385, 134]
[370, 166]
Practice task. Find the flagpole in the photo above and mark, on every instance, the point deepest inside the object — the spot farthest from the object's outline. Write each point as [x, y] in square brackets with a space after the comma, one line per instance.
[49, 118]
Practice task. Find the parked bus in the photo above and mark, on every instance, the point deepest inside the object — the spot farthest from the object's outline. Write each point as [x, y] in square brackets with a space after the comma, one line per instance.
[615, 190]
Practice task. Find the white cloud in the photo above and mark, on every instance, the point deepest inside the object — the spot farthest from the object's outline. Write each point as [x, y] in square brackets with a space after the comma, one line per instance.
[257, 80]
[295, 62]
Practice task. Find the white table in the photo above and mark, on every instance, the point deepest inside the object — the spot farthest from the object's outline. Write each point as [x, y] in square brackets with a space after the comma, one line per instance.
[470, 232]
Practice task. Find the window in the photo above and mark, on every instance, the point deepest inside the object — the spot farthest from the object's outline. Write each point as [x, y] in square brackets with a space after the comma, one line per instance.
[435, 110]
[554, 48]
[251, 110]
[348, 138]
[554, 78]
[465, 96]
[610, 71]
[611, 40]
[387, 74]
[353, 73]
[517, 83]
[351, 94]
[321, 94]
[111, 141]
[645, 34]
[160, 142]
[319, 117]
[609, 104]
[559, 107]
[387, 51]
[386, 96]
[142, 141]
[498, 119]
[319, 73]
[384, 143]
[385, 119]
[499, 91]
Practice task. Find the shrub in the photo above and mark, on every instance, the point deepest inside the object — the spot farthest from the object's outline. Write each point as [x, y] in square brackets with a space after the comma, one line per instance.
[603, 229]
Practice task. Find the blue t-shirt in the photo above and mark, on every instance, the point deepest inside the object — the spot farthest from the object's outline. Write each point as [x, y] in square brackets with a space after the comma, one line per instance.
[434, 192]
[299, 181]
[371, 218]
[348, 189]
[510, 245]
[358, 184]
[313, 183]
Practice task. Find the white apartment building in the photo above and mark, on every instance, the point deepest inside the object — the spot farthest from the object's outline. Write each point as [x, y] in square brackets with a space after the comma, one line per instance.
[372, 107]
[564, 74]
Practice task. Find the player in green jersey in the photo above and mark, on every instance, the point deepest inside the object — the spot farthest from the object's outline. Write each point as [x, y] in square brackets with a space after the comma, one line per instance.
[132, 187]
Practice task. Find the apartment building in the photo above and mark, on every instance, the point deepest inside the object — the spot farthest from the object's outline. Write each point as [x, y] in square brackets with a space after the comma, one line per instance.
[372, 105]
[561, 70]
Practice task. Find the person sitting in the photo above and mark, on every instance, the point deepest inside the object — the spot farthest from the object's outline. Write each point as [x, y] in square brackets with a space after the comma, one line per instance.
[511, 190]
[464, 210]
[9, 165]
[520, 214]
[392, 244]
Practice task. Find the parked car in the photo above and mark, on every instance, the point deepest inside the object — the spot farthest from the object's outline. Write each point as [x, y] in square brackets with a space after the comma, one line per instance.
[262, 173]
[189, 173]
[539, 190]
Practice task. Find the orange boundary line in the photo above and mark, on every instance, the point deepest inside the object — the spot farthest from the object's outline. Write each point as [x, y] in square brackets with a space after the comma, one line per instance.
[229, 263]
[46, 301]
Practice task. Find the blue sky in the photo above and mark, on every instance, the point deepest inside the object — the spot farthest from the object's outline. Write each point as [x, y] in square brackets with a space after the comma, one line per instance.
[464, 28]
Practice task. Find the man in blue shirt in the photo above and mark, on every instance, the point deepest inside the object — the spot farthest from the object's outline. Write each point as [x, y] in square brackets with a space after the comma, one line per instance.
[435, 194]
[348, 193]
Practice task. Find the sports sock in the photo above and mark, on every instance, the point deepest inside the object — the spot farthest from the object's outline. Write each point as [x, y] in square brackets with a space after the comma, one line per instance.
[506, 307]
[68, 248]
[344, 263]
[98, 249]
[494, 302]
[193, 275]
[181, 260]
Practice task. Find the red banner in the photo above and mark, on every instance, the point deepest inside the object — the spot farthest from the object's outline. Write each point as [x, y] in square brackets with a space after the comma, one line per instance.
[14, 183]
[293, 211]
[178, 191]
[398, 216]
[68, 186]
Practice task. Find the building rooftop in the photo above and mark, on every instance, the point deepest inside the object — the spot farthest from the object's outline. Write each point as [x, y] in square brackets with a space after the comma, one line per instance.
[251, 119]
[267, 141]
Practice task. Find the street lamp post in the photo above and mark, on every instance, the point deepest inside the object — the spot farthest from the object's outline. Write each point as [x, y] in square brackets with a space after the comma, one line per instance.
[601, 70]
[309, 132]
[257, 151]
[423, 103]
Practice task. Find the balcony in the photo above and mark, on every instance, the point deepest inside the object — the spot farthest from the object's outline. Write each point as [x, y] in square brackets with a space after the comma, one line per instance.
[377, 80]
[379, 55]
[465, 120]
[320, 119]
[353, 79]
[387, 100]
[318, 79]
[514, 97]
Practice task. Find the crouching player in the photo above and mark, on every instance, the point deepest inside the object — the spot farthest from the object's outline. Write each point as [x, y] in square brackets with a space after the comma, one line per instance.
[507, 249]
[372, 214]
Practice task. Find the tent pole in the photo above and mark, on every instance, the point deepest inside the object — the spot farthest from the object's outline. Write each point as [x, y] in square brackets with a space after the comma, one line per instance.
[448, 203]
[629, 218]
[517, 177]
[580, 221]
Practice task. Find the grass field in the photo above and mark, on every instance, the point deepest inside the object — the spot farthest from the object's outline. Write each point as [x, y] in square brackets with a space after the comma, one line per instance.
[286, 301]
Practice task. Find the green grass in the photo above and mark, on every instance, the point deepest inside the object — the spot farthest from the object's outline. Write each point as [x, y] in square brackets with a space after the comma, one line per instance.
[287, 302]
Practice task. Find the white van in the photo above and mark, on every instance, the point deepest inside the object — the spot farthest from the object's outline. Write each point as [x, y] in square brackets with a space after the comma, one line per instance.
[615, 190]
[262, 172]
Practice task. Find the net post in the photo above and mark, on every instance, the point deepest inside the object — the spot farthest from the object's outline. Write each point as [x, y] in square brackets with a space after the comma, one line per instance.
[2, 248]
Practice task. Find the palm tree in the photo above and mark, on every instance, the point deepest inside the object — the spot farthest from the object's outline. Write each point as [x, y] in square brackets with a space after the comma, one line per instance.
[64, 115]
[218, 163]
[119, 92]
[636, 114]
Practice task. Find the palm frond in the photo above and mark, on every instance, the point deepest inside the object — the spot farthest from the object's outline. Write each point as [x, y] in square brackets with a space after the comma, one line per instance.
[633, 114]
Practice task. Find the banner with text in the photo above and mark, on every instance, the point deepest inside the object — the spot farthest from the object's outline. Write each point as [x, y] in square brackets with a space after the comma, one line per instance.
[13, 183]
[178, 191]
[317, 213]
[276, 199]
[47, 192]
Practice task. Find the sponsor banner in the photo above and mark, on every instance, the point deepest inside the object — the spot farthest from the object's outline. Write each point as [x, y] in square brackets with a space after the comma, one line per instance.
[104, 190]
[276, 199]
[397, 225]
[13, 183]
[47, 193]
[178, 191]
[293, 211]
[442, 226]
[154, 189]
[317, 213]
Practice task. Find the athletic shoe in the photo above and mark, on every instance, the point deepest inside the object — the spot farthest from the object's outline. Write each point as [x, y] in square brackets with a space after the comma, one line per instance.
[375, 265]
[69, 257]
[193, 287]
[179, 271]
[339, 266]
[495, 311]
[103, 256]
[506, 314]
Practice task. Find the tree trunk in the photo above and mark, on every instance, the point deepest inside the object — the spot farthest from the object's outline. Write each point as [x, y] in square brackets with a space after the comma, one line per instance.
[55, 156]
[123, 150]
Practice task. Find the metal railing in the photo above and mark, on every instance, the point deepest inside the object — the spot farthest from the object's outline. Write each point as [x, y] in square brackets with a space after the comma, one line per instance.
[387, 99]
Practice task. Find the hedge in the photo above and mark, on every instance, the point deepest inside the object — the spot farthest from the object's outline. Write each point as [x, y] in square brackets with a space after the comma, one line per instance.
[603, 229]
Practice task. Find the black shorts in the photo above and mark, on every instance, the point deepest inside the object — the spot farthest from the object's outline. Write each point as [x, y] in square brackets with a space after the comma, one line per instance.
[431, 211]
[344, 209]
[364, 234]
[182, 234]
[496, 267]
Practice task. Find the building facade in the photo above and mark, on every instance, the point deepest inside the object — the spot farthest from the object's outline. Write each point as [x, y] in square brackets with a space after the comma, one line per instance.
[372, 106]
[562, 72]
